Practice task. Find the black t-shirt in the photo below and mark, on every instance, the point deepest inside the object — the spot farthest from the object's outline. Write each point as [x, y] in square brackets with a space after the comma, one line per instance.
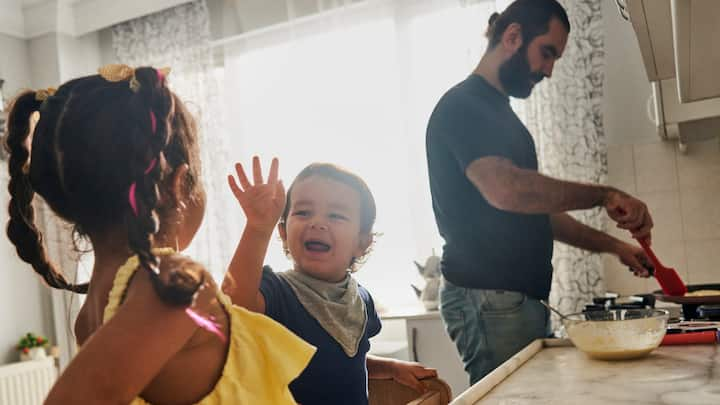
[484, 247]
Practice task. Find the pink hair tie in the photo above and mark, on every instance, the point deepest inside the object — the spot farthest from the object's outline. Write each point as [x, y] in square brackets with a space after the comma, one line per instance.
[206, 323]
[153, 121]
[131, 198]
[151, 166]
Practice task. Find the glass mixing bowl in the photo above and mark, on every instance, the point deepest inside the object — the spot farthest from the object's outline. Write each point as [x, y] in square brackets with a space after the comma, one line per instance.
[620, 334]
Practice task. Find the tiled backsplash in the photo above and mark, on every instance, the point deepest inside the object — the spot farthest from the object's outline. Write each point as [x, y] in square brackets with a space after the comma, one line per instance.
[682, 192]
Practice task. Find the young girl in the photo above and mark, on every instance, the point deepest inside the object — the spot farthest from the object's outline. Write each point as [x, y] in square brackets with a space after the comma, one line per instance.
[116, 155]
[326, 227]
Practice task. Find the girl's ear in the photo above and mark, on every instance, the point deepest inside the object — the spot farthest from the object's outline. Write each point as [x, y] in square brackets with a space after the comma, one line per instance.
[178, 194]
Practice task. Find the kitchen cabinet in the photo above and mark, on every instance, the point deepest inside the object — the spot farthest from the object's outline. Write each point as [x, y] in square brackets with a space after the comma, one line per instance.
[651, 20]
[695, 33]
[429, 344]
[677, 39]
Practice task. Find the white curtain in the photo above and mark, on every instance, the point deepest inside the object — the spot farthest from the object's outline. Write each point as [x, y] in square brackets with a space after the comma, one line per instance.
[565, 116]
[356, 86]
[179, 38]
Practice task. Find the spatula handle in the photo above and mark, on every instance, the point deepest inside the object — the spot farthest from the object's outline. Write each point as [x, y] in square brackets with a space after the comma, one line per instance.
[650, 253]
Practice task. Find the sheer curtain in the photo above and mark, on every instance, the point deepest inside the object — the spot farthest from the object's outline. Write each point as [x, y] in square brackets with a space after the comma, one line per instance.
[565, 116]
[179, 37]
[355, 87]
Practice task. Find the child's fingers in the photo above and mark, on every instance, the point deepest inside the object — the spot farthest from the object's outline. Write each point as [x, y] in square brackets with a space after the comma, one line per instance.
[279, 194]
[273, 176]
[418, 386]
[426, 373]
[257, 171]
[234, 187]
[244, 182]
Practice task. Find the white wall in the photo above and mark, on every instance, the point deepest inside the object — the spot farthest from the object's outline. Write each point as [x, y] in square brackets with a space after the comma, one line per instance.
[43, 61]
[107, 53]
[14, 64]
[78, 56]
[12, 21]
[24, 300]
[680, 190]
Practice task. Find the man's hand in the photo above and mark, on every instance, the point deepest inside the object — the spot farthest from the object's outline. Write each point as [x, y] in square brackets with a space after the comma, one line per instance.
[635, 258]
[629, 213]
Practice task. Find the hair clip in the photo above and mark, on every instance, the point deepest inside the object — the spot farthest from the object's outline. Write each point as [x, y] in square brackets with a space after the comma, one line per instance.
[120, 72]
[43, 94]
[116, 72]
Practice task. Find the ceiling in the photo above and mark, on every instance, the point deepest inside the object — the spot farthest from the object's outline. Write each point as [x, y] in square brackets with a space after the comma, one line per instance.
[31, 18]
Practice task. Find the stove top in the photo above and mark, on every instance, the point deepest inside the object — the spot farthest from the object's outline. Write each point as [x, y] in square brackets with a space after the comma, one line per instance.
[613, 301]
[690, 311]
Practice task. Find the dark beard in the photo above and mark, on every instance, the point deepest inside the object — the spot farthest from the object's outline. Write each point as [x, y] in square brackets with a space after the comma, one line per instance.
[515, 75]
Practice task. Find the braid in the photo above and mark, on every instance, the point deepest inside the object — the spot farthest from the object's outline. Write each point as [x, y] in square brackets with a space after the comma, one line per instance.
[21, 229]
[154, 104]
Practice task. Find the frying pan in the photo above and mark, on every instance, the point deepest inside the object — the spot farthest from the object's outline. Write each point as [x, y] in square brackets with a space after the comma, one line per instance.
[691, 304]
[709, 299]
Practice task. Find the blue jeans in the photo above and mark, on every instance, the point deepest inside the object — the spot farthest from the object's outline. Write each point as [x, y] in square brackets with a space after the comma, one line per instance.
[490, 326]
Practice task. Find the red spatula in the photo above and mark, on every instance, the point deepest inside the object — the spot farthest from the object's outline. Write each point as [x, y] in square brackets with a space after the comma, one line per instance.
[668, 278]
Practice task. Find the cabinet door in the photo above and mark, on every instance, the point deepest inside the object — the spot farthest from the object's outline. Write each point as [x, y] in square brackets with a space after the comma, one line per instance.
[695, 35]
[430, 345]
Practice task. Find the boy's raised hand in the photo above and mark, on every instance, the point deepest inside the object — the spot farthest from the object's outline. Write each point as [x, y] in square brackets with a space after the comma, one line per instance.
[262, 202]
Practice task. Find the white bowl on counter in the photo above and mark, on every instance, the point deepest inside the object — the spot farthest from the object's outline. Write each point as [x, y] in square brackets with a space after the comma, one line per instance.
[621, 334]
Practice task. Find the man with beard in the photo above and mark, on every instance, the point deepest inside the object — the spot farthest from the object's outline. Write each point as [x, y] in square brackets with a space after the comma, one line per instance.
[497, 214]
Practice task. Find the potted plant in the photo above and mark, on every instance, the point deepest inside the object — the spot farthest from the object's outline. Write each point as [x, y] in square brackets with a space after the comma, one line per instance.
[32, 347]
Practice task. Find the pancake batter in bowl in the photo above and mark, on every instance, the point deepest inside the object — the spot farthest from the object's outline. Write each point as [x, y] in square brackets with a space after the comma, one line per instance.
[617, 340]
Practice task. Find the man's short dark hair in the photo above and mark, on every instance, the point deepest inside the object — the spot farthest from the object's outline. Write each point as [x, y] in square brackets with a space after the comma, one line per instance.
[533, 16]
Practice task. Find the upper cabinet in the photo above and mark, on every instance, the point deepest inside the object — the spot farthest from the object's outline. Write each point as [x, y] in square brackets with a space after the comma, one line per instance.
[696, 33]
[679, 39]
[651, 20]
[680, 45]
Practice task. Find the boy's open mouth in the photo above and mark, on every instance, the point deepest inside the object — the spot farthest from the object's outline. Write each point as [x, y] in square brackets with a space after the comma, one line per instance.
[317, 246]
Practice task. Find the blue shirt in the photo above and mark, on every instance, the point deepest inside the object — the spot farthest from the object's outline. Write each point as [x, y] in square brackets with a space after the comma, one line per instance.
[331, 377]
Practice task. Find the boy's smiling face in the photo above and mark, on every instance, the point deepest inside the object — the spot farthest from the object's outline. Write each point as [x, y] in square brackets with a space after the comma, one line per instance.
[322, 230]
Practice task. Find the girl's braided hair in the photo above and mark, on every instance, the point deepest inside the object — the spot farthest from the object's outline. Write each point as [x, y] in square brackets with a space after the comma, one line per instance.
[100, 150]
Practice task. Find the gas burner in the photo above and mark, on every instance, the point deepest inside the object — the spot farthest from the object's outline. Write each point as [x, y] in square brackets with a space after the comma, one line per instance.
[711, 312]
[613, 301]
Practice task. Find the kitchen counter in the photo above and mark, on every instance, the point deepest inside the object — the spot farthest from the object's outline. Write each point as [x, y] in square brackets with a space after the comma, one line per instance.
[554, 372]
[408, 313]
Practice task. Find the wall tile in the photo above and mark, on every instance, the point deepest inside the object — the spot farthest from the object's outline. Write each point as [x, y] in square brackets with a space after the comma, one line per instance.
[655, 167]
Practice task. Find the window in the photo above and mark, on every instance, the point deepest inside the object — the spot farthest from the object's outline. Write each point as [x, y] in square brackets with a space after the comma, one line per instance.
[355, 87]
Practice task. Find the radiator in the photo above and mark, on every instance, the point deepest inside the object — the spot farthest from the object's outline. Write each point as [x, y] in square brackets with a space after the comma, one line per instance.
[26, 383]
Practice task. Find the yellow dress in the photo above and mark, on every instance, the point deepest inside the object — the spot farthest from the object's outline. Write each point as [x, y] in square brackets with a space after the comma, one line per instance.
[263, 357]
